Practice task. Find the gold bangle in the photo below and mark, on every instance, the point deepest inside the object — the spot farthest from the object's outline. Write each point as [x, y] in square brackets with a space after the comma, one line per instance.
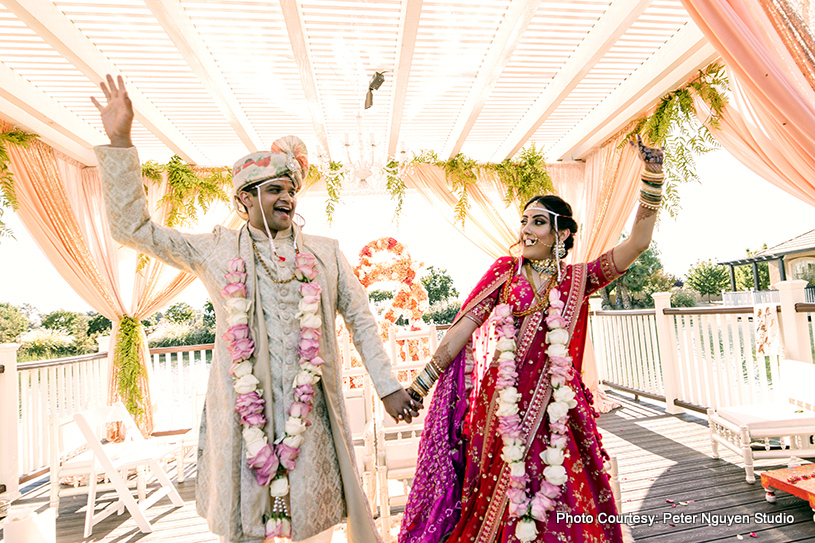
[436, 366]
[417, 390]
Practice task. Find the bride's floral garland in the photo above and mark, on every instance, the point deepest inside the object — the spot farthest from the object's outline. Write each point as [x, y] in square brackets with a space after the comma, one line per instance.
[521, 505]
[272, 463]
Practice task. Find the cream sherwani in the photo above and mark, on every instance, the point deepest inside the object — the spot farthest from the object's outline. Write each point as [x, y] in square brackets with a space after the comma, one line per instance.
[325, 485]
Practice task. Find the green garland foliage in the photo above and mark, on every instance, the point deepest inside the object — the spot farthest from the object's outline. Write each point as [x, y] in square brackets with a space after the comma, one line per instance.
[129, 368]
[187, 192]
[395, 186]
[8, 196]
[675, 126]
[524, 176]
[333, 185]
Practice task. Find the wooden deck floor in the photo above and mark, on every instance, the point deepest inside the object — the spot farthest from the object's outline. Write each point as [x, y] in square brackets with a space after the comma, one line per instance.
[661, 457]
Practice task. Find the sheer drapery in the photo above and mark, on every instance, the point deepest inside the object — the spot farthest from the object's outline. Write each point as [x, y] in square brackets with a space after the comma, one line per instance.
[773, 128]
[59, 204]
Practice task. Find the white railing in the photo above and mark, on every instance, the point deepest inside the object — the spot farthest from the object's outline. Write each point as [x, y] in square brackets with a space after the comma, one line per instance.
[626, 342]
[178, 376]
[699, 357]
[750, 297]
[59, 387]
[716, 360]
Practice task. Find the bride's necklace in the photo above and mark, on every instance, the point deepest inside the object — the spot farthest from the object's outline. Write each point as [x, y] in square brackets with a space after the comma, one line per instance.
[545, 265]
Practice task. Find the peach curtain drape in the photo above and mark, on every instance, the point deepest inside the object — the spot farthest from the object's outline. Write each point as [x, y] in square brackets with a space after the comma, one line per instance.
[59, 204]
[771, 129]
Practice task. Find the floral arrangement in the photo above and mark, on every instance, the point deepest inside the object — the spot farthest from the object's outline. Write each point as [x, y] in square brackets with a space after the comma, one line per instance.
[410, 299]
[530, 509]
[272, 463]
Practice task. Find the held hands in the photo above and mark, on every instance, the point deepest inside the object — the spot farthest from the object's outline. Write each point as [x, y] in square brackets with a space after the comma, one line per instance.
[117, 114]
[651, 156]
[400, 406]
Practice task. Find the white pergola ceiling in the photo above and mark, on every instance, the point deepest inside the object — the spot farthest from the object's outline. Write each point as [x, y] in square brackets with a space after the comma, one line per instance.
[212, 80]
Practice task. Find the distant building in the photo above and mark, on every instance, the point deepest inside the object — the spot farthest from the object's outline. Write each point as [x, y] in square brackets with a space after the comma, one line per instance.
[792, 259]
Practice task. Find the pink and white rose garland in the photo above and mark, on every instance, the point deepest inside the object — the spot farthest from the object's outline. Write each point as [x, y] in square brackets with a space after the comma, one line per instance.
[528, 508]
[272, 463]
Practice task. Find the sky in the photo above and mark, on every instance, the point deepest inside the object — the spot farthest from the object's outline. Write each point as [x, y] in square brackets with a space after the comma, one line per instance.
[730, 211]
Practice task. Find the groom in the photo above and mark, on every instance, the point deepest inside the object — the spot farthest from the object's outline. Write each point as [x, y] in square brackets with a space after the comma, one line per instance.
[275, 452]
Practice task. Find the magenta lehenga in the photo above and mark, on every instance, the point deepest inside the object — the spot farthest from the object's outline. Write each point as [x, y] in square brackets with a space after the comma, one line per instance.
[460, 490]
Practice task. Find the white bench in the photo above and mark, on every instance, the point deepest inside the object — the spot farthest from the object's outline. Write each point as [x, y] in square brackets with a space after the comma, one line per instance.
[770, 430]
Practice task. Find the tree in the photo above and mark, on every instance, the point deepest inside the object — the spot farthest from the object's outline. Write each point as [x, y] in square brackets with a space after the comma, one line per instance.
[744, 274]
[98, 324]
[643, 278]
[71, 323]
[180, 313]
[439, 285]
[12, 323]
[705, 277]
[209, 314]
[376, 296]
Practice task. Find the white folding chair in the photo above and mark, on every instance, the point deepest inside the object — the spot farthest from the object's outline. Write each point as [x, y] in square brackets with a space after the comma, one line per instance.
[116, 459]
[71, 459]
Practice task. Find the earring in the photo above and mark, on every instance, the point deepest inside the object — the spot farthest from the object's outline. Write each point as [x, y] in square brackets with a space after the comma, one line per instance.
[560, 248]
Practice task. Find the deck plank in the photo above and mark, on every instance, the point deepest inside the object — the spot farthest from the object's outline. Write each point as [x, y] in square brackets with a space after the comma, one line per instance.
[660, 457]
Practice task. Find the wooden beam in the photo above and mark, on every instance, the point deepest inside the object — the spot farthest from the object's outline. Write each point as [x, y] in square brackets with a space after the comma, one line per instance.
[50, 24]
[27, 97]
[12, 114]
[409, 18]
[617, 19]
[296, 28]
[171, 15]
[673, 63]
[509, 34]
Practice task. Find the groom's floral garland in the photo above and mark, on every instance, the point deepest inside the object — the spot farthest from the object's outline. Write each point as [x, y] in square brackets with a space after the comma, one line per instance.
[521, 505]
[272, 463]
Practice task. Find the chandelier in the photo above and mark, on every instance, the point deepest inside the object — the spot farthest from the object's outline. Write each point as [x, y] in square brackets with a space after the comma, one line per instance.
[366, 167]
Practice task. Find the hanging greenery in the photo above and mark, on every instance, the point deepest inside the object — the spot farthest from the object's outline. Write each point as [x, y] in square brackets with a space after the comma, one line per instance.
[675, 126]
[524, 176]
[333, 185]
[8, 196]
[395, 186]
[187, 192]
[129, 370]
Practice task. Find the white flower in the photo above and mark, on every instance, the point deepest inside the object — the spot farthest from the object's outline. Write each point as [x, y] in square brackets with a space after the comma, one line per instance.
[246, 384]
[554, 295]
[311, 308]
[557, 336]
[555, 475]
[557, 410]
[552, 456]
[237, 318]
[558, 380]
[505, 344]
[512, 453]
[509, 395]
[563, 394]
[295, 426]
[517, 469]
[506, 355]
[255, 439]
[244, 368]
[557, 350]
[294, 441]
[279, 487]
[526, 530]
[506, 409]
[237, 305]
[310, 321]
[304, 378]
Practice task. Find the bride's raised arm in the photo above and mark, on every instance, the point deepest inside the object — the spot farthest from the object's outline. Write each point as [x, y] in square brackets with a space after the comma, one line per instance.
[650, 199]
